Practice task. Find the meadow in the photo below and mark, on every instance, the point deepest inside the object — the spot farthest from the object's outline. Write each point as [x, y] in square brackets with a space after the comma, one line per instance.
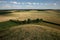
[10, 30]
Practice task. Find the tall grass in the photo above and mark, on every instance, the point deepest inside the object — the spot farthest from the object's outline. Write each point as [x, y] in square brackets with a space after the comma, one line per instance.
[31, 33]
[6, 25]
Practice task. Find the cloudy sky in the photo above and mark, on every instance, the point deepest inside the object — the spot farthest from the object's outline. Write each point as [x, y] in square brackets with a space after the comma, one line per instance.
[29, 4]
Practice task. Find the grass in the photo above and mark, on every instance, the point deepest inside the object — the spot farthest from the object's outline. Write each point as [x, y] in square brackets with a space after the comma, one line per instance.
[6, 25]
[49, 25]
[29, 32]
[5, 12]
[11, 31]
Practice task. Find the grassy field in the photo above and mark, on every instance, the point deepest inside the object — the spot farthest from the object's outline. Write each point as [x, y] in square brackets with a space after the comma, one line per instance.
[30, 32]
[36, 31]
[6, 25]
[48, 15]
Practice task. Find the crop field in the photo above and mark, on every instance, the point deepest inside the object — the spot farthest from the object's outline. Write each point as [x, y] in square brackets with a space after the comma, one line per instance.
[10, 30]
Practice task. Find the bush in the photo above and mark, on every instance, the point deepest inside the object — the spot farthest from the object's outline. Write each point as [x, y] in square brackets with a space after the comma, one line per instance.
[29, 21]
[37, 20]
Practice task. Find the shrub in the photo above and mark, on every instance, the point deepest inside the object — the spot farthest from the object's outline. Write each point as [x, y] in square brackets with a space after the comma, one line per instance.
[28, 21]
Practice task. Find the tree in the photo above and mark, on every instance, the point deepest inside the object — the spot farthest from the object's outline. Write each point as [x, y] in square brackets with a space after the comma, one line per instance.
[24, 22]
[41, 19]
[37, 20]
[28, 21]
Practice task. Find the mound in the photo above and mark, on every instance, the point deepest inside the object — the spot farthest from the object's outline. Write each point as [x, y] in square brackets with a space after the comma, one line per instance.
[31, 32]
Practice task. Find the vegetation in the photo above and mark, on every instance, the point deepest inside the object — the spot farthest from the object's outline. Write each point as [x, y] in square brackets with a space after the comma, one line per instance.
[30, 33]
[21, 10]
[5, 12]
[10, 23]
[41, 10]
[6, 25]
[51, 23]
[29, 21]
[36, 29]
[27, 32]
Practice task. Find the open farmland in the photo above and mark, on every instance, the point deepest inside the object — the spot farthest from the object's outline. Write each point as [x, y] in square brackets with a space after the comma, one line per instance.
[48, 15]
[35, 31]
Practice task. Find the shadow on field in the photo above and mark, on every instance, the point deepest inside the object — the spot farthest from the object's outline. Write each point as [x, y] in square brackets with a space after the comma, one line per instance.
[29, 21]
[4, 12]
[11, 23]
[6, 25]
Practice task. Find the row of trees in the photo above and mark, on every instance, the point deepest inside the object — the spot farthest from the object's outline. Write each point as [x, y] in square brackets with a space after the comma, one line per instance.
[28, 21]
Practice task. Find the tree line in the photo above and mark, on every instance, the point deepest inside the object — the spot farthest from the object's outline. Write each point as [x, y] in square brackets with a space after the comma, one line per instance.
[29, 21]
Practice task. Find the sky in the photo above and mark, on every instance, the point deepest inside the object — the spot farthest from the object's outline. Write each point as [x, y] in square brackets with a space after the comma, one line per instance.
[29, 4]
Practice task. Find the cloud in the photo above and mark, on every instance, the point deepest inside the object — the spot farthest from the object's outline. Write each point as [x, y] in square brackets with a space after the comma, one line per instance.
[14, 2]
[7, 6]
[11, 4]
[29, 3]
[46, 3]
[54, 4]
[34, 3]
